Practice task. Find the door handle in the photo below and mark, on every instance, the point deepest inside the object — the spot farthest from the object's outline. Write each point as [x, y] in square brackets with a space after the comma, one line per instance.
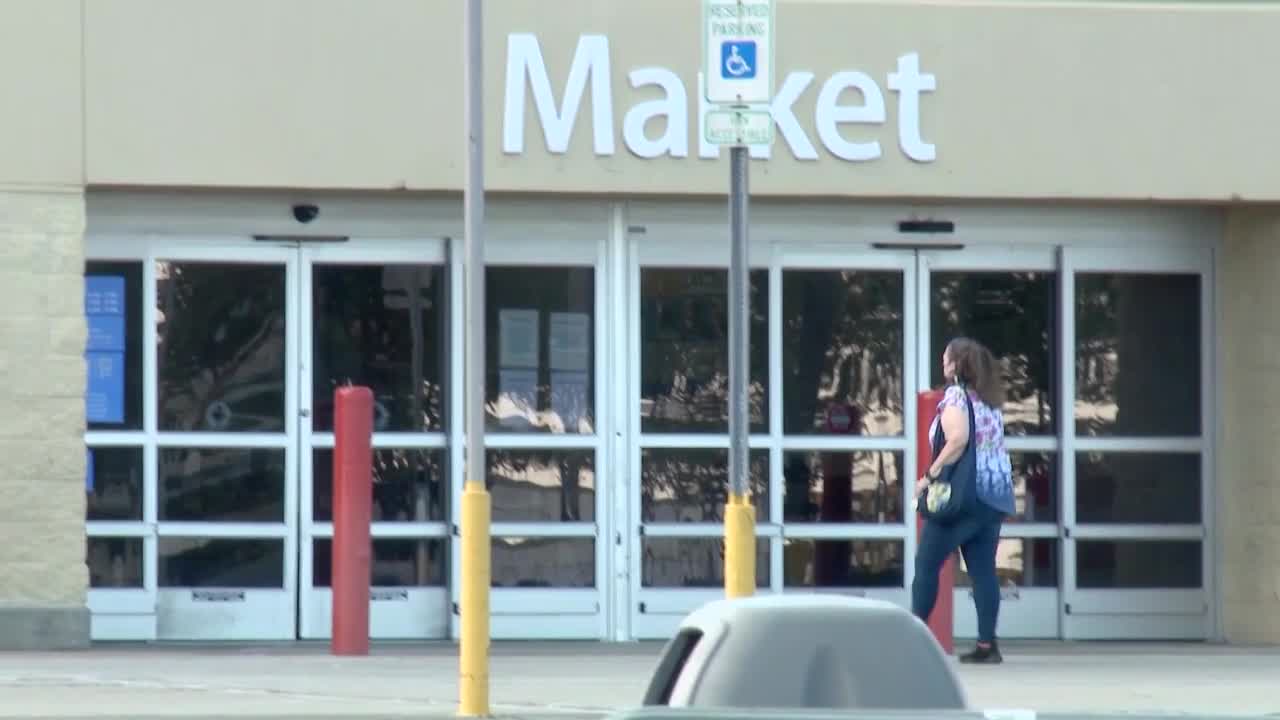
[304, 412]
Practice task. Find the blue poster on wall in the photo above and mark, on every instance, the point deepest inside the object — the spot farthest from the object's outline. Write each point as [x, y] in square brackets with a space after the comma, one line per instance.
[104, 308]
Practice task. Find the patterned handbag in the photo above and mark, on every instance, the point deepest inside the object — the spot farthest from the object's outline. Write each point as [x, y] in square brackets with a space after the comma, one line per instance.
[955, 493]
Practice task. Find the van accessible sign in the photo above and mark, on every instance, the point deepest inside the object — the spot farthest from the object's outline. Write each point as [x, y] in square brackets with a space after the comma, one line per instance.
[526, 69]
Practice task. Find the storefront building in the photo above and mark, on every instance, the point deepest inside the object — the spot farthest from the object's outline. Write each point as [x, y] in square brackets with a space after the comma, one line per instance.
[211, 215]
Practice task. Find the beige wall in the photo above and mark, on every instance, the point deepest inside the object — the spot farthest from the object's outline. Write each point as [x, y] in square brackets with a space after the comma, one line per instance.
[1248, 481]
[42, 572]
[1034, 99]
[40, 128]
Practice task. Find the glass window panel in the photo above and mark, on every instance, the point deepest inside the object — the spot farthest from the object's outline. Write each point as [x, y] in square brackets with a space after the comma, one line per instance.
[409, 485]
[221, 563]
[1013, 314]
[395, 562]
[1139, 564]
[544, 562]
[1020, 563]
[222, 484]
[542, 485]
[692, 485]
[113, 350]
[1152, 488]
[540, 349]
[842, 345]
[843, 563]
[684, 350]
[114, 562]
[843, 487]
[693, 562]
[114, 486]
[1138, 355]
[1035, 487]
[382, 326]
[220, 334]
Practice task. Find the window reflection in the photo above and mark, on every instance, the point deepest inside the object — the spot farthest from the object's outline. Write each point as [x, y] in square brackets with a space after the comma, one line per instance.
[684, 350]
[1020, 563]
[1035, 487]
[221, 563]
[1012, 313]
[114, 562]
[409, 485]
[843, 563]
[394, 562]
[381, 326]
[115, 483]
[842, 345]
[540, 349]
[679, 485]
[1138, 354]
[1139, 564]
[544, 562]
[542, 485]
[220, 331]
[692, 562]
[222, 485]
[843, 487]
[1138, 488]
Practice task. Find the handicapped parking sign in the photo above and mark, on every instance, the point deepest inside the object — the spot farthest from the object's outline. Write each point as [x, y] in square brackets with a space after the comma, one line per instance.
[738, 59]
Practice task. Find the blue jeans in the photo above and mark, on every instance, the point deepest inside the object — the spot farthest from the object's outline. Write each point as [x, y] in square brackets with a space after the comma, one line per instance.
[976, 536]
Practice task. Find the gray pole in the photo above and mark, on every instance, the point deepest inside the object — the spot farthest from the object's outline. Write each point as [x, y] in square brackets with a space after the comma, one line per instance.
[739, 325]
[473, 228]
[473, 646]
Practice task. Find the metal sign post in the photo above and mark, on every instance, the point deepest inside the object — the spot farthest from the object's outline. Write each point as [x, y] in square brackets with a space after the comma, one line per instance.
[738, 58]
[473, 646]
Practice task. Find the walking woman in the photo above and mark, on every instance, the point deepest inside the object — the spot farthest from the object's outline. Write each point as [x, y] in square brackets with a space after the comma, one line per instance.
[973, 382]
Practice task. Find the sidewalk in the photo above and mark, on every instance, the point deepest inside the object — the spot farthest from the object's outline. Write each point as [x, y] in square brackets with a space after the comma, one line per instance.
[572, 680]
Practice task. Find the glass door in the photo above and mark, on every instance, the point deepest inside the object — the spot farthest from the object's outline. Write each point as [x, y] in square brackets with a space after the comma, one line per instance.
[1007, 298]
[376, 314]
[547, 464]
[844, 417]
[678, 413]
[830, 350]
[225, 329]
[1137, 508]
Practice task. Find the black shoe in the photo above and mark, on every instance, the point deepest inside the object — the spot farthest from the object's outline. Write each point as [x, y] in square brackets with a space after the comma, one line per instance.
[980, 655]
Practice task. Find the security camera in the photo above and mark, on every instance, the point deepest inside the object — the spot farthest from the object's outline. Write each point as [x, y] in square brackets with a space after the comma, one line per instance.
[305, 213]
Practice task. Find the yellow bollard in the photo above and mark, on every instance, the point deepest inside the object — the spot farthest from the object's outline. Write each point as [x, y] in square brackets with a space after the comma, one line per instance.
[473, 651]
[739, 547]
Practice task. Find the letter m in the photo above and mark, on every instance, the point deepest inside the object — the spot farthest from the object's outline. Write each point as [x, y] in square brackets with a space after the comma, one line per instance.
[524, 56]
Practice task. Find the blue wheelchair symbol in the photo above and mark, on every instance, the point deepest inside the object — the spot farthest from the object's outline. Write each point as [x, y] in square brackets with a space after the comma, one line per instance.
[738, 59]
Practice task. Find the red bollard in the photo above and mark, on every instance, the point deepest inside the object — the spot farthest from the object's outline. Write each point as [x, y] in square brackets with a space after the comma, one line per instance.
[942, 620]
[352, 509]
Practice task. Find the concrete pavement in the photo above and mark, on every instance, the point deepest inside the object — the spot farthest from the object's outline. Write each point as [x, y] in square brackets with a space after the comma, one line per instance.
[577, 680]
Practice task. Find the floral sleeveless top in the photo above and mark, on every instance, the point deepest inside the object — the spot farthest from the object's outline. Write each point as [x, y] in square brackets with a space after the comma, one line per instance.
[995, 472]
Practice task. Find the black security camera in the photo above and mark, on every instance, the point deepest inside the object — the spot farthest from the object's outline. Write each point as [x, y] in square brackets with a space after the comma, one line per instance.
[305, 213]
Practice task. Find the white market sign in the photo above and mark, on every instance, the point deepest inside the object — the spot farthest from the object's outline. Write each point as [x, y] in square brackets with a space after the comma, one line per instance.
[849, 130]
[737, 45]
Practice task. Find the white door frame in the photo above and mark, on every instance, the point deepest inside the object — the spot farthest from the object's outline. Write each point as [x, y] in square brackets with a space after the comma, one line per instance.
[242, 613]
[1030, 612]
[419, 612]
